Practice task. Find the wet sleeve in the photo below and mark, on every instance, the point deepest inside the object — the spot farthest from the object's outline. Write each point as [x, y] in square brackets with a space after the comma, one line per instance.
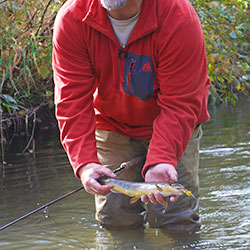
[74, 88]
[182, 77]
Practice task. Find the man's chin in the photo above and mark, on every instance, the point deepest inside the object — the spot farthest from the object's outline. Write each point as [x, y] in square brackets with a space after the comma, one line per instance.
[113, 4]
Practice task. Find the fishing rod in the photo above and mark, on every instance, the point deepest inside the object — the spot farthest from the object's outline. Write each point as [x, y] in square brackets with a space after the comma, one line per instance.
[40, 208]
[124, 165]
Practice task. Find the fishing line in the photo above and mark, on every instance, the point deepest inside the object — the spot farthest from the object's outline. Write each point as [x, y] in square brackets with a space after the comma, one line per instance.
[40, 208]
[58, 225]
[34, 223]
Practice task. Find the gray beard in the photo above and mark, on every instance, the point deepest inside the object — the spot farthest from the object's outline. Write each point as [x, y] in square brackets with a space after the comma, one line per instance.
[113, 4]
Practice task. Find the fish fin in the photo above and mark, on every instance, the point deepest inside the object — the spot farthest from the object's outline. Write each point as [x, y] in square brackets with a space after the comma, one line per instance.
[134, 199]
[166, 203]
[159, 188]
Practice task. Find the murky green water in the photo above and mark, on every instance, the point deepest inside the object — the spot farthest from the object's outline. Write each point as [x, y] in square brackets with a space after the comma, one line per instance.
[225, 196]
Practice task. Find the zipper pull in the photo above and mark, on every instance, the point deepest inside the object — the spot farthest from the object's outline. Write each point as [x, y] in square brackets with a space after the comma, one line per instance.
[123, 54]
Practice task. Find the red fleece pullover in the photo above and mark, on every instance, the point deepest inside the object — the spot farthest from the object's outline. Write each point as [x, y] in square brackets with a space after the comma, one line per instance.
[156, 87]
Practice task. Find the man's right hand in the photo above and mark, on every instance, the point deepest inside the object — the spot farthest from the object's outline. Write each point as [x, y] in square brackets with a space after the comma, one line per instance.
[89, 175]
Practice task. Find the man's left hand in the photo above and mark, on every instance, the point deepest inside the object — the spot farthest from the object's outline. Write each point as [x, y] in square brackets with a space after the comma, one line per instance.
[162, 172]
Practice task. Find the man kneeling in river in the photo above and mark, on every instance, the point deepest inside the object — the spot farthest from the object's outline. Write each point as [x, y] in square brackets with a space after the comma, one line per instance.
[131, 79]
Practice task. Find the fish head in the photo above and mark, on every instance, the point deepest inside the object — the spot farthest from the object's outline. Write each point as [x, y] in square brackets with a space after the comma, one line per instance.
[176, 189]
[169, 189]
[177, 186]
[173, 189]
[181, 189]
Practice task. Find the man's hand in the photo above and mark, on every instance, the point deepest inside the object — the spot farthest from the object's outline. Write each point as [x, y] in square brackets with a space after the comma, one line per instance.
[89, 175]
[160, 173]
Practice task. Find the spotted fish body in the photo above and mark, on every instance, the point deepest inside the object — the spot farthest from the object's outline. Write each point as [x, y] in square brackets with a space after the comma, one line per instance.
[137, 189]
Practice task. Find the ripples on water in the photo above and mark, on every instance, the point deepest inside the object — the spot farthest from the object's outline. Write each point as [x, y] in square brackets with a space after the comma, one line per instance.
[225, 197]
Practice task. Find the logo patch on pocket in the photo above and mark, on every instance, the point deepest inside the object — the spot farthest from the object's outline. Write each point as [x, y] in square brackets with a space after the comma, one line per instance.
[139, 76]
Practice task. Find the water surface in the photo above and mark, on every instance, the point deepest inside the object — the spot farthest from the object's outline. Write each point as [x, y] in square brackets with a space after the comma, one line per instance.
[31, 181]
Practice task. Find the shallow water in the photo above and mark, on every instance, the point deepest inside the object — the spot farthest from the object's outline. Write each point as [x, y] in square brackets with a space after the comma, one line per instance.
[32, 181]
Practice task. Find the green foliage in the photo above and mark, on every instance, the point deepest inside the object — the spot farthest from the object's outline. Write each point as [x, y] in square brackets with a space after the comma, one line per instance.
[26, 48]
[8, 102]
[226, 26]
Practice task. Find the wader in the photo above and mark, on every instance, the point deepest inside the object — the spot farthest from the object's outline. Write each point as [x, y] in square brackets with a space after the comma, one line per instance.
[115, 211]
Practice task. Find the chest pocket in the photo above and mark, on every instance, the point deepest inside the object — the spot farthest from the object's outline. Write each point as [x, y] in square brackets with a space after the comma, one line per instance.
[139, 76]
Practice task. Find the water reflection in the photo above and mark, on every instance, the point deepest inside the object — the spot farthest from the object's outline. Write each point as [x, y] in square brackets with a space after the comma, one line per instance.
[225, 196]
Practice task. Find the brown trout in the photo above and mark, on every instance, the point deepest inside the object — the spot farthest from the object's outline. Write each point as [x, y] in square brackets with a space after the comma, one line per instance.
[137, 189]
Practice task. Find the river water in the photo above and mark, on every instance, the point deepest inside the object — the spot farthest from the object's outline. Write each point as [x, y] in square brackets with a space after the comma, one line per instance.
[32, 180]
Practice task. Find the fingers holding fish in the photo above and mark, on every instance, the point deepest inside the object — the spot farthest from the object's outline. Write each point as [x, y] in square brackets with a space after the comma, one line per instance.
[152, 198]
[157, 198]
[94, 187]
[89, 175]
[144, 198]
[173, 198]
